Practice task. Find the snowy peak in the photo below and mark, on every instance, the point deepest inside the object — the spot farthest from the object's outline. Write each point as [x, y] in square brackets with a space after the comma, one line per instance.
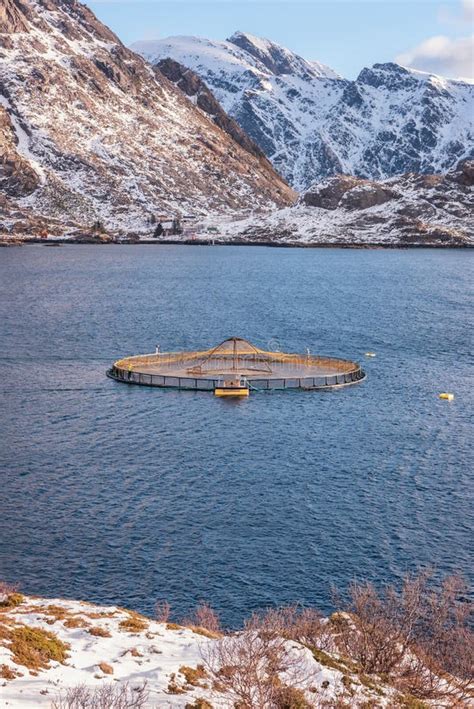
[312, 124]
[279, 60]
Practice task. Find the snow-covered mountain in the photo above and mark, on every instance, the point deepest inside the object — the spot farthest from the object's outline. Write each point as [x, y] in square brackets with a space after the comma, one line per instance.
[89, 131]
[312, 123]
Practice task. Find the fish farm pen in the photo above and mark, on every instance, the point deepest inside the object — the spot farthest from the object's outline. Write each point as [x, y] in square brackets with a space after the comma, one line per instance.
[236, 358]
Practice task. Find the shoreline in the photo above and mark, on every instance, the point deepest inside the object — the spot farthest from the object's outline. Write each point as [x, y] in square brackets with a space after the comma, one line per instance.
[231, 242]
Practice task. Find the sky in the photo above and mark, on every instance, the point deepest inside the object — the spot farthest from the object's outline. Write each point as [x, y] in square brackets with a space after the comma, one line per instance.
[429, 35]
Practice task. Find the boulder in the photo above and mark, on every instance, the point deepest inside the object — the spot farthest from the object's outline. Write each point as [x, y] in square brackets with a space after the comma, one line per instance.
[368, 195]
[328, 194]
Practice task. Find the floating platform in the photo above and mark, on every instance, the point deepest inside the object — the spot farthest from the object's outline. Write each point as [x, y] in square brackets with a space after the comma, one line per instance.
[236, 358]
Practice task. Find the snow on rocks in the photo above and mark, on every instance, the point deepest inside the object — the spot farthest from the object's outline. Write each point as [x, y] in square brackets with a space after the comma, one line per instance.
[311, 123]
[409, 210]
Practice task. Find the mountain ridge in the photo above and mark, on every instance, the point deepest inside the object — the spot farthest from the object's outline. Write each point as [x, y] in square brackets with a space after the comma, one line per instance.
[312, 125]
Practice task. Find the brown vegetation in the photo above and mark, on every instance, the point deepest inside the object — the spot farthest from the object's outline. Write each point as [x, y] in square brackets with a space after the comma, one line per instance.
[9, 596]
[193, 675]
[99, 632]
[248, 665]
[112, 696]
[35, 648]
[162, 611]
[133, 624]
[106, 668]
[419, 639]
[205, 619]
[8, 673]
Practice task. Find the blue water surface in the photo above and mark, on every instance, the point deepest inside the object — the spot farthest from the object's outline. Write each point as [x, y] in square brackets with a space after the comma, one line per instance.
[125, 494]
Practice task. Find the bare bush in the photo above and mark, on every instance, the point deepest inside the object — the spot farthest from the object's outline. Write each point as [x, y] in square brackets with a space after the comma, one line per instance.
[255, 666]
[109, 696]
[162, 611]
[304, 625]
[420, 636]
[205, 617]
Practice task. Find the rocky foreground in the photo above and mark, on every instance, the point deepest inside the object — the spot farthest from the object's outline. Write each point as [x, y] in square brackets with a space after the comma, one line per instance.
[70, 654]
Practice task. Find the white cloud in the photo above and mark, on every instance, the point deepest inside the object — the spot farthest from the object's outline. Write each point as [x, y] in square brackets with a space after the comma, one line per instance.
[442, 55]
[468, 10]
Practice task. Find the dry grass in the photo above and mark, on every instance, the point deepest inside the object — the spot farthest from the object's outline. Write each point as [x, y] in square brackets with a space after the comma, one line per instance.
[133, 624]
[75, 622]
[12, 600]
[106, 668]
[205, 633]
[99, 632]
[193, 675]
[57, 612]
[8, 673]
[174, 687]
[35, 648]
[199, 703]
[173, 626]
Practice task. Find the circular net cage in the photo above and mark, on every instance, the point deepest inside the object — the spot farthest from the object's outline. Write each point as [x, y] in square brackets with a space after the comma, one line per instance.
[236, 357]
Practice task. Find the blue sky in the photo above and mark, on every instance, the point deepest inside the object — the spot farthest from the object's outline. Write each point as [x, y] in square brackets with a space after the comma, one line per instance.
[345, 34]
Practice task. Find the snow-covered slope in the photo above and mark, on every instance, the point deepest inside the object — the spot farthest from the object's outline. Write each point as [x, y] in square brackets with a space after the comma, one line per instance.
[54, 650]
[311, 123]
[91, 132]
[409, 210]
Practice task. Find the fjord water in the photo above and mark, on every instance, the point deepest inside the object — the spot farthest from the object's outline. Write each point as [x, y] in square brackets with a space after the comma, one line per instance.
[125, 494]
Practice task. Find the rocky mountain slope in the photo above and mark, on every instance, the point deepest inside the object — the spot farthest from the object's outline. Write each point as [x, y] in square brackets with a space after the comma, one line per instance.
[89, 131]
[312, 123]
[408, 210]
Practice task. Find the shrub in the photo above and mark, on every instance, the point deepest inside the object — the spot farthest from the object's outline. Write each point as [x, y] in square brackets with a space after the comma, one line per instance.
[421, 637]
[111, 696]
[162, 611]
[35, 648]
[248, 665]
[304, 625]
[291, 698]
[9, 596]
[204, 617]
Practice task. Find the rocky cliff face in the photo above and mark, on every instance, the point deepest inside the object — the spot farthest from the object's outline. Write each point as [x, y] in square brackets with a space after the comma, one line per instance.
[90, 132]
[195, 88]
[311, 123]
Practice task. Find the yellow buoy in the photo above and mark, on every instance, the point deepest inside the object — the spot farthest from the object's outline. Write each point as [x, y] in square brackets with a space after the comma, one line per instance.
[446, 395]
